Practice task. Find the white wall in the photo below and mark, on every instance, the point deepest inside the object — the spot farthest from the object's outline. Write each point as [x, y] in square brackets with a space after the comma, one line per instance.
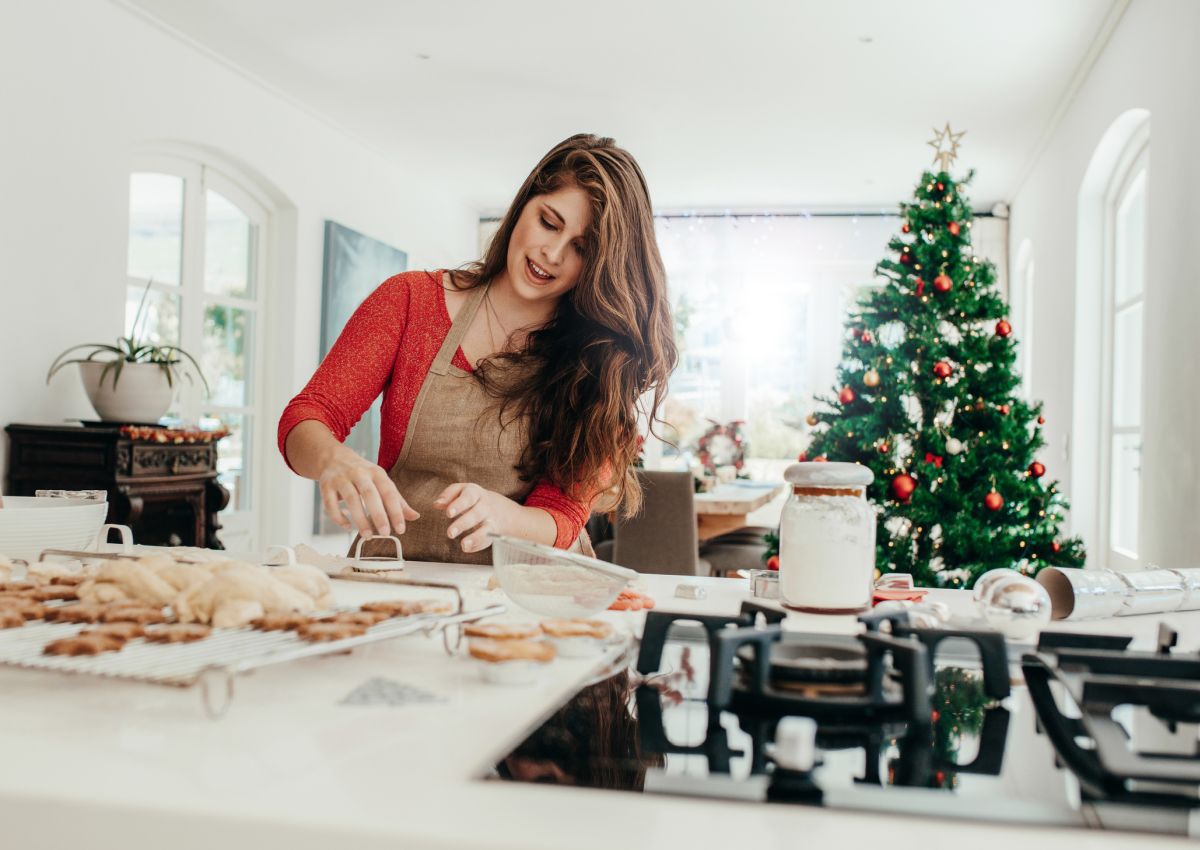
[82, 85]
[1151, 63]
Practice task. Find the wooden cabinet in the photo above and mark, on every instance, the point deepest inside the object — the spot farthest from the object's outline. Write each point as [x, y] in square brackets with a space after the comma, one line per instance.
[167, 493]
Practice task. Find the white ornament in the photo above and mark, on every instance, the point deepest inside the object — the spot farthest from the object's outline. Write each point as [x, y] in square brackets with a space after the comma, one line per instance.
[954, 446]
[1016, 605]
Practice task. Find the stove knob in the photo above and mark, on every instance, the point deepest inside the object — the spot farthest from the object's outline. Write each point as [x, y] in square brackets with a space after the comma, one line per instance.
[796, 743]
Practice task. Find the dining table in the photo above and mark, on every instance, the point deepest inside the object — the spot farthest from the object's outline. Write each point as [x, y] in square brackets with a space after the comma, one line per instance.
[727, 506]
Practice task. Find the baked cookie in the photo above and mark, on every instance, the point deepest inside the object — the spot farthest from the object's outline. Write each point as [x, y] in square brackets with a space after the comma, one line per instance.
[11, 618]
[497, 651]
[84, 645]
[408, 607]
[502, 631]
[143, 614]
[358, 618]
[26, 607]
[597, 629]
[16, 596]
[49, 591]
[16, 586]
[178, 633]
[71, 580]
[320, 632]
[279, 622]
[125, 631]
[80, 612]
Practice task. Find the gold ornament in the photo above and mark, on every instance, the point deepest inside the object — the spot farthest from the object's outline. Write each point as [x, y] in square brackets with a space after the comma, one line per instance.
[871, 379]
[945, 146]
[812, 420]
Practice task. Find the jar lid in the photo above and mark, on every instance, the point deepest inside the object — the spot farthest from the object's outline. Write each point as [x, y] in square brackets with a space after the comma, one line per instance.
[813, 474]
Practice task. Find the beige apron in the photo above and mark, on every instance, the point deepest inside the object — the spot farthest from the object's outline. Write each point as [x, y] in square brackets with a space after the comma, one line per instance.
[455, 435]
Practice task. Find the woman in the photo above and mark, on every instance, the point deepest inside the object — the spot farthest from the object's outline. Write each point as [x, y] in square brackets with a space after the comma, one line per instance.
[510, 388]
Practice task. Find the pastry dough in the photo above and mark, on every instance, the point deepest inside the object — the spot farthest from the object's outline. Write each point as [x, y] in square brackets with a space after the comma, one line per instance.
[117, 580]
[182, 576]
[235, 597]
[308, 580]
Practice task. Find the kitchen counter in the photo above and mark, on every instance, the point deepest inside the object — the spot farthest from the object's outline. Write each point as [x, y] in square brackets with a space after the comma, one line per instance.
[114, 763]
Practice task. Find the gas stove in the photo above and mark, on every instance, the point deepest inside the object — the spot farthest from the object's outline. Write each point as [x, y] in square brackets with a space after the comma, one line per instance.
[898, 719]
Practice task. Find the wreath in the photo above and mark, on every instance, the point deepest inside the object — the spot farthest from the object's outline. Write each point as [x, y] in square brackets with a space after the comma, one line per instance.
[722, 445]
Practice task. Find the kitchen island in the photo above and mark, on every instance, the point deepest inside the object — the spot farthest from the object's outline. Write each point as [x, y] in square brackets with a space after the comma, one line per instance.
[96, 762]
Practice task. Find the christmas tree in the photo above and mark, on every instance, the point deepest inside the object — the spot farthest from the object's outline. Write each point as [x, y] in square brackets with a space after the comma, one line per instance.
[926, 397]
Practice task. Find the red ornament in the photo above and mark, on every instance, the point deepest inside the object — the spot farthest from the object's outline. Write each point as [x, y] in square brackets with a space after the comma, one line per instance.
[935, 715]
[954, 228]
[1056, 547]
[1037, 469]
[942, 369]
[846, 395]
[1004, 409]
[936, 460]
[773, 562]
[993, 501]
[906, 258]
[1041, 420]
[906, 228]
[1003, 328]
[802, 457]
[867, 338]
[942, 283]
[941, 187]
[903, 486]
[920, 287]
[821, 459]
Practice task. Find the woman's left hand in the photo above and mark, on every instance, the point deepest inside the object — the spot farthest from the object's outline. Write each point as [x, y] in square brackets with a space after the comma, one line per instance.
[475, 512]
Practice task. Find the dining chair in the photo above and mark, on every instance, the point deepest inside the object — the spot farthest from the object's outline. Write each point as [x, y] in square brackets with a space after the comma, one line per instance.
[742, 549]
[661, 538]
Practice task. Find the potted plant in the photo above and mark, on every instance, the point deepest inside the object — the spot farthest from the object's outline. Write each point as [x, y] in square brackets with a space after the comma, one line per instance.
[136, 383]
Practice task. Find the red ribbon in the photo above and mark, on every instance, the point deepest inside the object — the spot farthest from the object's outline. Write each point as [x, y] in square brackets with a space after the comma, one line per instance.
[936, 460]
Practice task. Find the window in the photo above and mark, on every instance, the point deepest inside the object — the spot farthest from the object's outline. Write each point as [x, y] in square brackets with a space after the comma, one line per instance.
[1123, 355]
[194, 242]
[760, 305]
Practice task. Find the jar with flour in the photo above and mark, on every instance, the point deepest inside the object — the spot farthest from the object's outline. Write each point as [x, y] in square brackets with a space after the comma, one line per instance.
[827, 539]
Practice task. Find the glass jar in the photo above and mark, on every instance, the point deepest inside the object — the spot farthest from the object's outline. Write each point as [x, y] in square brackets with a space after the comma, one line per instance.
[827, 539]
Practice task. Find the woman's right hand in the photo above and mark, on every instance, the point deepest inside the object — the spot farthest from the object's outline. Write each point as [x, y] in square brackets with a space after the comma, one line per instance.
[370, 497]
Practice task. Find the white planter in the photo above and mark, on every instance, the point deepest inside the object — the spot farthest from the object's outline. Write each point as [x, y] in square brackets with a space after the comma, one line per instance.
[141, 395]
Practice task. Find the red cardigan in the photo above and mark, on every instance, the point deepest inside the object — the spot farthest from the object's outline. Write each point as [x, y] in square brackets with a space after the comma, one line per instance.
[388, 346]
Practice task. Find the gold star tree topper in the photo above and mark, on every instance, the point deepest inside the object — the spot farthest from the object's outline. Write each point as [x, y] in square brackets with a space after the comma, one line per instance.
[945, 146]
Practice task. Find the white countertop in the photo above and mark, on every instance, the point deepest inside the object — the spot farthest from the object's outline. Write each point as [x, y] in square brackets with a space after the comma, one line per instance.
[120, 764]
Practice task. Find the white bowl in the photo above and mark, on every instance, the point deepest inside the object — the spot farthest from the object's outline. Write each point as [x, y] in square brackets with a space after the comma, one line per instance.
[31, 524]
[555, 582]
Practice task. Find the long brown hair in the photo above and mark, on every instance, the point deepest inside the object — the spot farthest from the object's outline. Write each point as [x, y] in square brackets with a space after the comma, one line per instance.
[611, 340]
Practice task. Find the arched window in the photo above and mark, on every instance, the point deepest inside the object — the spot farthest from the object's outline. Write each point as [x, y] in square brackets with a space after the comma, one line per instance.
[196, 240]
[1109, 354]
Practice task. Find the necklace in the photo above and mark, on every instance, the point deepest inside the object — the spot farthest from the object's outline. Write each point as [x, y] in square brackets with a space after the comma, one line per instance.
[491, 311]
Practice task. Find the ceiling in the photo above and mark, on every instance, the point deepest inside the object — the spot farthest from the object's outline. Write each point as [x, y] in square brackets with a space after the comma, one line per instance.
[793, 104]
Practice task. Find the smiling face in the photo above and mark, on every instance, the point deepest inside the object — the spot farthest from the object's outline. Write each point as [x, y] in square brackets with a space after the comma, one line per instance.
[546, 251]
